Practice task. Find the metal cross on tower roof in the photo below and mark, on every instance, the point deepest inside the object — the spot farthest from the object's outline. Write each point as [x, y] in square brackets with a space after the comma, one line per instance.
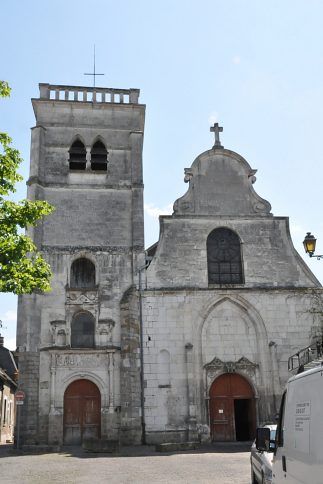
[216, 129]
[93, 73]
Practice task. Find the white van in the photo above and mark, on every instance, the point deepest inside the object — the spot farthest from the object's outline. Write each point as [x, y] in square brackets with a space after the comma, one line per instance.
[298, 449]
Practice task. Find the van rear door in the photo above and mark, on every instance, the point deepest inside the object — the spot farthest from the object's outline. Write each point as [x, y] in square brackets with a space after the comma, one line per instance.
[299, 455]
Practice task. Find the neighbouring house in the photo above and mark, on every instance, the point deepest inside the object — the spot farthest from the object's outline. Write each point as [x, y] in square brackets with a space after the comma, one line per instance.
[8, 386]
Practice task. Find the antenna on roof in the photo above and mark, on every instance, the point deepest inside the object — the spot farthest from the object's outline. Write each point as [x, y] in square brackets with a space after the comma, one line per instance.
[93, 73]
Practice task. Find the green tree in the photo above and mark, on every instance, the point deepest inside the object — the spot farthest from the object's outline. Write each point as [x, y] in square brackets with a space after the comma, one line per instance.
[22, 267]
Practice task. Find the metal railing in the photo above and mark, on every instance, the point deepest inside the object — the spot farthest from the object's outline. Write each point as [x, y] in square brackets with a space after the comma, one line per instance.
[305, 356]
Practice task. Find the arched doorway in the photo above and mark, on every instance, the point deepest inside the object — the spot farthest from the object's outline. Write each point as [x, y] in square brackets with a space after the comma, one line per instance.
[232, 408]
[82, 412]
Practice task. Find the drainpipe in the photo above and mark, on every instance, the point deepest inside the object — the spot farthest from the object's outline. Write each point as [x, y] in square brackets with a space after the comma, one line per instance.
[191, 410]
[141, 334]
[275, 373]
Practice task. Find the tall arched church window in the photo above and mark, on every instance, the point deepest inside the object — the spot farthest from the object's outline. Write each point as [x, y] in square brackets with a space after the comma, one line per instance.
[99, 157]
[77, 153]
[224, 257]
[82, 273]
[82, 330]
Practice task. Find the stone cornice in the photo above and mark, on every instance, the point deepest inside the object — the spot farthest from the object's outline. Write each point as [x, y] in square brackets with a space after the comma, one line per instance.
[223, 289]
[34, 180]
[91, 248]
[67, 350]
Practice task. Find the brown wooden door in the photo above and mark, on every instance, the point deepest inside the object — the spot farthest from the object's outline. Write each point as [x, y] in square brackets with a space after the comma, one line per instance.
[221, 413]
[82, 412]
[232, 409]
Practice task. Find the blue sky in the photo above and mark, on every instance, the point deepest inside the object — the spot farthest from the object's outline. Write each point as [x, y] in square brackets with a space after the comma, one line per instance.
[254, 66]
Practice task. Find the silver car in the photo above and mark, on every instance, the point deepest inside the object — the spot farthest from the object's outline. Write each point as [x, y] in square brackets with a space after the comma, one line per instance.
[261, 462]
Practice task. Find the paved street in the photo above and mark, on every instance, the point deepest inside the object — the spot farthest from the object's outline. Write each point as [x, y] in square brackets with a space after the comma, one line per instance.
[216, 465]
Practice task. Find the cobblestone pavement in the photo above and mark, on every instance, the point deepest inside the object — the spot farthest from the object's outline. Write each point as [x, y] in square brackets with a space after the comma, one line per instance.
[217, 464]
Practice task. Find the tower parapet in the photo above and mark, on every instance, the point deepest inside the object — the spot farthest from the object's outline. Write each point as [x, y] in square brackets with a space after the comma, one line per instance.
[88, 94]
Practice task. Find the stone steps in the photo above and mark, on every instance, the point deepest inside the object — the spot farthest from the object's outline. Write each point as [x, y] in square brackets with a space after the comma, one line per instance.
[177, 446]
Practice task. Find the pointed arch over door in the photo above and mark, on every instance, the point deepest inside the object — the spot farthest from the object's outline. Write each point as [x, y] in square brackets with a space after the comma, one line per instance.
[224, 259]
[82, 412]
[232, 408]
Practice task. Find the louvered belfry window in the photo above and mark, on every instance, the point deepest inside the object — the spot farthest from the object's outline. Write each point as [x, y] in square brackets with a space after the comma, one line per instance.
[77, 160]
[224, 257]
[82, 273]
[99, 157]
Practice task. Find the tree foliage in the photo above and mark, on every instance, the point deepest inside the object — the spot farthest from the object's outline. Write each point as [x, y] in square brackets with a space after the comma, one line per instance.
[22, 267]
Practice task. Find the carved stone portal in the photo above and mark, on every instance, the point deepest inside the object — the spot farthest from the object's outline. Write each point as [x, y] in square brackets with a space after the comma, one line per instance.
[216, 367]
[81, 297]
[80, 361]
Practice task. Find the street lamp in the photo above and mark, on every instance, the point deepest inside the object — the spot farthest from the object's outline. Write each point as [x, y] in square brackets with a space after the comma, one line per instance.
[309, 243]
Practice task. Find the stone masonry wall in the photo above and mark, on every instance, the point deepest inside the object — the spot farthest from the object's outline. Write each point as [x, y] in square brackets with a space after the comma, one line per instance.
[130, 396]
[266, 327]
[30, 431]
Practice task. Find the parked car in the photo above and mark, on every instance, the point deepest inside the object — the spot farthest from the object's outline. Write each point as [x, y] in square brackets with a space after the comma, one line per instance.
[261, 461]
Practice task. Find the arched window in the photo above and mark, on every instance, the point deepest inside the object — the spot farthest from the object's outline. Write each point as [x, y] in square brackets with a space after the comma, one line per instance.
[82, 273]
[77, 156]
[99, 157]
[82, 330]
[224, 257]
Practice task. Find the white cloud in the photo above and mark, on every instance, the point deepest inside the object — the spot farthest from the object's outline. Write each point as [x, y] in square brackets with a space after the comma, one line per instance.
[10, 343]
[213, 118]
[296, 229]
[152, 211]
[236, 59]
[9, 316]
[8, 329]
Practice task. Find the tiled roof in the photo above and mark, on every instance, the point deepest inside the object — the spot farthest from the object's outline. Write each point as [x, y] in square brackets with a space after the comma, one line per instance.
[7, 362]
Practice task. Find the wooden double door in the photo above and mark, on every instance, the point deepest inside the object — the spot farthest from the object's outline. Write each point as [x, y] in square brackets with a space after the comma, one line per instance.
[82, 412]
[232, 409]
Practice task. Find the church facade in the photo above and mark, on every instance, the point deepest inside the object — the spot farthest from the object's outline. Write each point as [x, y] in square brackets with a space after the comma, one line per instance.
[186, 341]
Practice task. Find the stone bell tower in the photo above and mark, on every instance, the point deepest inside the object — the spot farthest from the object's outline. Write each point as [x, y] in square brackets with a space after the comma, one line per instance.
[78, 345]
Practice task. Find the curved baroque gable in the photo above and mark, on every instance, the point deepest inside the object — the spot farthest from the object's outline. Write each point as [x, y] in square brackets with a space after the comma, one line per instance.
[220, 183]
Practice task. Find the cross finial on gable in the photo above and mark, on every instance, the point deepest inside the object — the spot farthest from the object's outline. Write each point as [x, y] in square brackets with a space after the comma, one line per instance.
[216, 129]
